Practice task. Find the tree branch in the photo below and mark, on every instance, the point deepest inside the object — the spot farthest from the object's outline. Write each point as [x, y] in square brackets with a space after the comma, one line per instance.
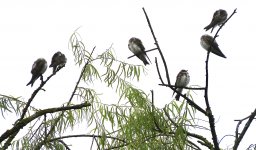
[64, 144]
[158, 71]
[204, 141]
[208, 108]
[85, 135]
[189, 88]
[247, 125]
[158, 47]
[153, 112]
[33, 96]
[70, 99]
[145, 52]
[22, 123]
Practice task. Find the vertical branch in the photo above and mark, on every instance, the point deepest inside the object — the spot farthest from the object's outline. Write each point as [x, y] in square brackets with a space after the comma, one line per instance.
[45, 126]
[153, 112]
[208, 108]
[158, 47]
[158, 71]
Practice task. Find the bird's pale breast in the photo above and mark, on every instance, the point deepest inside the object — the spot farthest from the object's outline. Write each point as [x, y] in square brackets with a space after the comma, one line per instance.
[134, 48]
[204, 45]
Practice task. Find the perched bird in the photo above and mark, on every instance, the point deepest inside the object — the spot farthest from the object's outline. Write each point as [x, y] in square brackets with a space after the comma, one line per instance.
[182, 80]
[38, 68]
[135, 45]
[218, 18]
[58, 60]
[208, 44]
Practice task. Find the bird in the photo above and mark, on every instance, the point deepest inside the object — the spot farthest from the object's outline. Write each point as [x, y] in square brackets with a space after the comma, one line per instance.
[218, 18]
[58, 60]
[135, 45]
[182, 80]
[38, 69]
[208, 44]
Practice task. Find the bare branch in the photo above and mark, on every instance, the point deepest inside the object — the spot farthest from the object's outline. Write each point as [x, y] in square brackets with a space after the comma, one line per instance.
[247, 125]
[145, 52]
[158, 47]
[208, 108]
[189, 88]
[158, 71]
[225, 137]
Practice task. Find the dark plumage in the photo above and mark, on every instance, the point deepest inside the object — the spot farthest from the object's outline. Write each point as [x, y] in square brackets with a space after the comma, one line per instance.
[58, 60]
[38, 68]
[218, 18]
[135, 45]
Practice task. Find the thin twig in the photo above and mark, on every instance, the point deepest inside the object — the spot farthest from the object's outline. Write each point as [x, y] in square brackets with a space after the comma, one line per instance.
[64, 144]
[189, 88]
[144, 51]
[86, 135]
[158, 71]
[189, 101]
[225, 137]
[153, 112]
[45, 126]
[33, 96]
[247, 125]
[158, 47]
[92, 142]
[193, 145]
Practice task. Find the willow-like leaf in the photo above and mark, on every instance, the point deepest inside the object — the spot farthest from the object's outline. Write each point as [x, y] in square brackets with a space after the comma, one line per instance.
[90, 73]
[78, 49]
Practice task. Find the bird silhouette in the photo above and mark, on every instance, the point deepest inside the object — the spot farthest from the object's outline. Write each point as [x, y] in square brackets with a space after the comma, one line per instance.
[182, 80]
[208, 44]
[135, 45]
[58, 60]
[218, 18]
[38, 69]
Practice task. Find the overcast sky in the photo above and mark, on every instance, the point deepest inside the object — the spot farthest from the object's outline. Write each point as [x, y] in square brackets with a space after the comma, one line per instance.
[31, 29]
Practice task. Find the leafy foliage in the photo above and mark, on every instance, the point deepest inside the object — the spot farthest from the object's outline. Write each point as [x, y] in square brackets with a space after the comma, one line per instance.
[133, 122]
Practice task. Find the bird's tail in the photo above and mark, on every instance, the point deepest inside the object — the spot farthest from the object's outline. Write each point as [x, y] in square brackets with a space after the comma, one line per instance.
[218, 52]
[31, 82]
[177, 97]
[143, 58]
[33, 79]
[173, 93]
[148, 58]
[209, 27]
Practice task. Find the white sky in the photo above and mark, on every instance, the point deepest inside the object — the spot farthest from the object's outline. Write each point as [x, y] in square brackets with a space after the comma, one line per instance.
[30, 29]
